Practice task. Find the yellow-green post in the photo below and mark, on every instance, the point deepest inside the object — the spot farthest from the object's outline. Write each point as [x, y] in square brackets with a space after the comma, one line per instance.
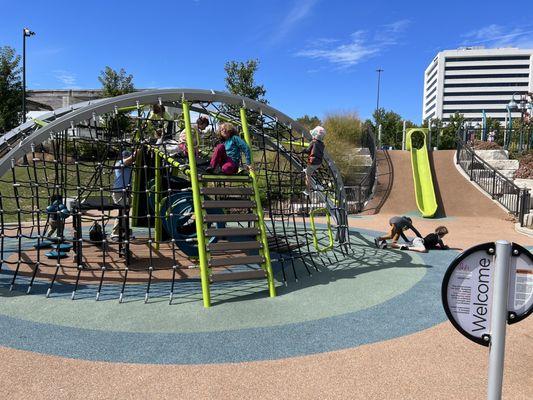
[197, 203]
[158, 222]
[261, 223]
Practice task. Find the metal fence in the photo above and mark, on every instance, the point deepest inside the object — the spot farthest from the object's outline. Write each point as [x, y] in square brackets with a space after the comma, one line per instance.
[513, 198]
[358, 195]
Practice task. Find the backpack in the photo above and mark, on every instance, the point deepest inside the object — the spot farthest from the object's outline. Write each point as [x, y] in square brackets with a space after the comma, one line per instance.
[95, 232]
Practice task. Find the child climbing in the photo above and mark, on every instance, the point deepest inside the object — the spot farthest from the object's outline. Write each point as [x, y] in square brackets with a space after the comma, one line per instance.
[432, 241]
[227, 155]
[119, 193]
[57, 213]
[397, 227]
[316, 155]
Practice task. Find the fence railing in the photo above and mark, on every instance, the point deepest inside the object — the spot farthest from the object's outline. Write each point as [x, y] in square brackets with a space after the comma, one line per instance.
[514, 199]
[516, 139]
[357, 195]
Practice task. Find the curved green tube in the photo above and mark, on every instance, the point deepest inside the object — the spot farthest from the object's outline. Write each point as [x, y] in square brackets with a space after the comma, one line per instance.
[426, 200]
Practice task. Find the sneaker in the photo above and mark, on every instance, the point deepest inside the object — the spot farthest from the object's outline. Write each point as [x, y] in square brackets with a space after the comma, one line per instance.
[383, 245]
[376, 242]
[404, 247]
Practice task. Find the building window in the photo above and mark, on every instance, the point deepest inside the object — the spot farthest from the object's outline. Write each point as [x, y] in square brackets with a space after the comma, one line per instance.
[503, 93]
[473, 110]
[470, 67]
[431, 85]
[477, 76]
[487, 84]
[430, 93]
[488, 58]
[449, 102]
[431, 100]
[432, 76]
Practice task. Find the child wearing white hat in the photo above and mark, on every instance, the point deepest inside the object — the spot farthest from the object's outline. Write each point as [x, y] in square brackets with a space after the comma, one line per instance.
[316, 155]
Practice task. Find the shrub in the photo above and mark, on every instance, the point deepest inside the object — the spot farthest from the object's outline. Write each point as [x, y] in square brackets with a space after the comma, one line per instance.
[344, 133]
[525, 170]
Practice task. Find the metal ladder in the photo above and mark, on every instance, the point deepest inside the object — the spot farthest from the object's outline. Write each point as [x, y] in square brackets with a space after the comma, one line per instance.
[217, 254]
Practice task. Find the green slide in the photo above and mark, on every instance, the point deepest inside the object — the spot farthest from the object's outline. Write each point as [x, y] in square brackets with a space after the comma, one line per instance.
[423, 182]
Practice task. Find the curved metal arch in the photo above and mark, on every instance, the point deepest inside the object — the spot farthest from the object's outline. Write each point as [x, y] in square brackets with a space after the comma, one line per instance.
[84, 111]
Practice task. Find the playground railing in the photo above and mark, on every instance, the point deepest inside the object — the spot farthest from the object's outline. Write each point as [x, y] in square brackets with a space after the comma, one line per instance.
[357, 195]
[514, 199]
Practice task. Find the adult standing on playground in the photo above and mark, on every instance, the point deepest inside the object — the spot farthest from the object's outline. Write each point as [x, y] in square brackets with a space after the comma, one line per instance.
[120, 195]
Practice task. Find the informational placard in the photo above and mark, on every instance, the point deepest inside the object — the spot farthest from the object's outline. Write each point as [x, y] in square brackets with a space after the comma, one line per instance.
[468, 284]
[520, 301]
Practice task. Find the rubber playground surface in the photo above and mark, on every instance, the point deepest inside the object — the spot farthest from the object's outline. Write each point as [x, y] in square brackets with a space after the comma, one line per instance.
[370, 326]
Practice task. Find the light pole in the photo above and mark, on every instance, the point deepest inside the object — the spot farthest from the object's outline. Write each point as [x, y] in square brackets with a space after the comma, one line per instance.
[379, 71]
[25, 33]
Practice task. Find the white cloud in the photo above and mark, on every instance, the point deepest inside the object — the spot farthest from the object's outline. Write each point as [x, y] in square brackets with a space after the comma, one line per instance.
[68, 79]
[500, 36]
[361, 45]
[300, 10]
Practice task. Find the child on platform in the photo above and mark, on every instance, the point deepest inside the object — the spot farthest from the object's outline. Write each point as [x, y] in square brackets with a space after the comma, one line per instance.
[316, 155]
[227, 155]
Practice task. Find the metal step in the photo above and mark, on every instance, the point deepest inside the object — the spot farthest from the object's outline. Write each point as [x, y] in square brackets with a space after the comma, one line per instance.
[228, 261]
[238, 276]
[232, 232]
[225, 246]
[228, 204]
[227, 191]
[230, 218]
[224, 178]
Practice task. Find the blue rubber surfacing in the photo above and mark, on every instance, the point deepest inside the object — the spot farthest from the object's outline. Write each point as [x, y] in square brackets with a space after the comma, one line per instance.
[416, 309]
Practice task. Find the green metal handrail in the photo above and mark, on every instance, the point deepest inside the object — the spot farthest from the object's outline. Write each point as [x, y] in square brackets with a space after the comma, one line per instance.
[313, 229]
[198, 211]
[261, 218]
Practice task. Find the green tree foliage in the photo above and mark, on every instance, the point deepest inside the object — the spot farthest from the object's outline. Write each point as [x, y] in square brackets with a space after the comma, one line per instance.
[240, 80]
[115, 83]
[10, 89]
[445, 136]
[344, 132]
[309, 122]
[391, 127]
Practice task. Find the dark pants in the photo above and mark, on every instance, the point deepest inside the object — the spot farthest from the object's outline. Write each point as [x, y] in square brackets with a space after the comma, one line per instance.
[221, 159]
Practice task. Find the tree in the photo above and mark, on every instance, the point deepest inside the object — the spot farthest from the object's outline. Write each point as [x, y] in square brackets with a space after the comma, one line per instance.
[240, 80]
[391, 127]
[10, 89]
[309, 122]
[115, 83]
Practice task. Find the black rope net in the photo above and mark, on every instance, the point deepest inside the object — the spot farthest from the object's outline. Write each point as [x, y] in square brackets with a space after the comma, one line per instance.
[63, 219]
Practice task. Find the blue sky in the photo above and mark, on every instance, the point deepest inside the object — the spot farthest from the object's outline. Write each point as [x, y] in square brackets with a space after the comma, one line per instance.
[317, 56]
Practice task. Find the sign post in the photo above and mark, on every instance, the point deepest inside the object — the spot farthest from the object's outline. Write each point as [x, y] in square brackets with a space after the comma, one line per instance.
[498, 322]
[485, 288]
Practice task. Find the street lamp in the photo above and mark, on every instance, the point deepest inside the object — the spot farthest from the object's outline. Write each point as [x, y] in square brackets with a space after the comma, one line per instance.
[25, 33]
[522, 102]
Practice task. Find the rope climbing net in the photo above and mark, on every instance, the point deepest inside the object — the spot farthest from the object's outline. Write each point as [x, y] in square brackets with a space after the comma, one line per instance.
[105, 192]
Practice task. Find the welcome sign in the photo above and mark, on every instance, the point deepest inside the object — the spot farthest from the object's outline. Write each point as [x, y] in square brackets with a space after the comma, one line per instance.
[468, 284]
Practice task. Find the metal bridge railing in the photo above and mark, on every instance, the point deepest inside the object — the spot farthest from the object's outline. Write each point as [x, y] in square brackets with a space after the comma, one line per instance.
[514, 199]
